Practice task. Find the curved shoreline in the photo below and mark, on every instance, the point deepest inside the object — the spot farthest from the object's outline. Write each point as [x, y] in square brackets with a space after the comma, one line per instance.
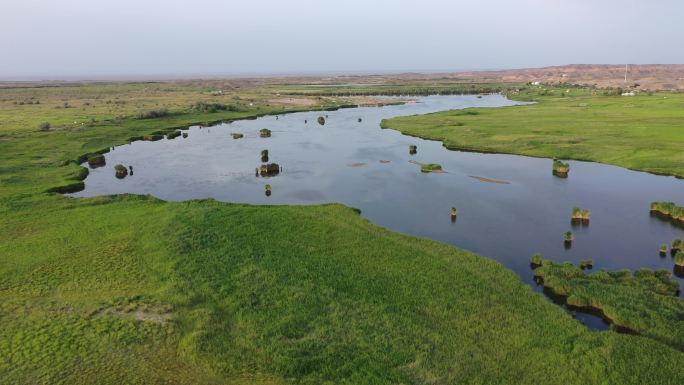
[385, 124]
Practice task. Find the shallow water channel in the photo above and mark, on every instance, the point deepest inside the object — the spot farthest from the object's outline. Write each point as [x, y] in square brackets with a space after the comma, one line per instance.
[363, 166]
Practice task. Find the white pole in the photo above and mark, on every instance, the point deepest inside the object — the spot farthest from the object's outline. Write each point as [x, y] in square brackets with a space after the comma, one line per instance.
[626, 72]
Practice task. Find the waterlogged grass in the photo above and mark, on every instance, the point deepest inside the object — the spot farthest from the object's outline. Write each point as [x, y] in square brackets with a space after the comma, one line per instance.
[641, 132]
[642, 302]
[130, 289]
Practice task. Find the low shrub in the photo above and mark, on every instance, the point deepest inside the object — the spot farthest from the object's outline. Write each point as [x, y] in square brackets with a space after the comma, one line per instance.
[152, 114]
[213, 107]
[173, 135]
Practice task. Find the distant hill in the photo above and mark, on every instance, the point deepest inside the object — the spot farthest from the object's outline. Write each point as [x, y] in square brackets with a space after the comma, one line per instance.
[648, 76]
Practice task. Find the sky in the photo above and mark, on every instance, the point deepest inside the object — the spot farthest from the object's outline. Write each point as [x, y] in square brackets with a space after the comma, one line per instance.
[106, 39]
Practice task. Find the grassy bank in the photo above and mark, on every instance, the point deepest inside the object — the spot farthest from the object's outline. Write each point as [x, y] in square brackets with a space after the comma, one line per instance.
[130, 289]
[643, 132]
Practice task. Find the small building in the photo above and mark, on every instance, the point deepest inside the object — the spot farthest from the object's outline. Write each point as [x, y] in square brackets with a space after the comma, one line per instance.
[628, 93]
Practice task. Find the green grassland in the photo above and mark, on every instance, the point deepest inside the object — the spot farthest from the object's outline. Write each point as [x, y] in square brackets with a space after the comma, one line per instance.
[643, 132]
[133, 290]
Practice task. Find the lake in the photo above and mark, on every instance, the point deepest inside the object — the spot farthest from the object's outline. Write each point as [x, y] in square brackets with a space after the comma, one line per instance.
[363, 166]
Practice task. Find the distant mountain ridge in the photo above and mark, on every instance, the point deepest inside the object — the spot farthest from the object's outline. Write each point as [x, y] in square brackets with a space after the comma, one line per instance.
[648, 76]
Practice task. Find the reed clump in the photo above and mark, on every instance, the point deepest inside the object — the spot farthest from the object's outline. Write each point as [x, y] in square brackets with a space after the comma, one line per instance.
[561, 169]
[579, 215]
[679, 259]
[153, 137]
[120, 171]
[269, 169]
[430, 167]
[663, 249]
[265, 133]
[568, 237]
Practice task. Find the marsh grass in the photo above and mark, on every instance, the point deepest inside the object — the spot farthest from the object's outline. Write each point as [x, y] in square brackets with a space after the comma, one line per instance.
[668, 209]
[626, 299]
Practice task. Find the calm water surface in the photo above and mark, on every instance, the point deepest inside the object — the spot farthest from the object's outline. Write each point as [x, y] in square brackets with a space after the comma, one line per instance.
[363, 166]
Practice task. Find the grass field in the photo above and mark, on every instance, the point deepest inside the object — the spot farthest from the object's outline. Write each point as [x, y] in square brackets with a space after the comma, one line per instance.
[644, 132]
[130, 289]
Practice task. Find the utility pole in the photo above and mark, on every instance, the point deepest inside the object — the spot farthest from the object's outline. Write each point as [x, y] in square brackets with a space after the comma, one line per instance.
[626, 66]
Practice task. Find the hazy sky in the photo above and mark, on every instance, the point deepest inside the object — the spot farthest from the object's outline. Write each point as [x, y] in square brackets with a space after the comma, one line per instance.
[59, 39]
